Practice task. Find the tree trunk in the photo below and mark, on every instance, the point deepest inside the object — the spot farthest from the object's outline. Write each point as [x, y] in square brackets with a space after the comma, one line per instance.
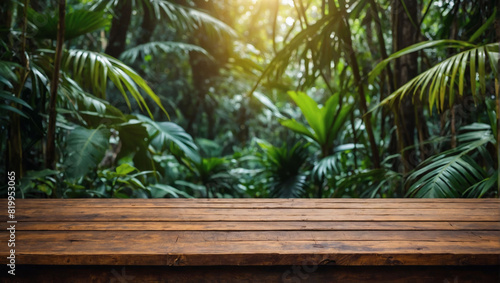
[6, 12]
[203, 72]
[14, 143]
[148, 25]
[51, 146]
[357, 79]
[119, 28]
[405, 33]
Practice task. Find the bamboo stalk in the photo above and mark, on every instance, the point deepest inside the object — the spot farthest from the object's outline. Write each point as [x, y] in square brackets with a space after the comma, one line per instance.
[51, 151]
[497, 92]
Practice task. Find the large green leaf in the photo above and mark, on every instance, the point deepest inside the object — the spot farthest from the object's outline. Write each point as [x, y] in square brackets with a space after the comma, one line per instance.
[325, 122]
[93, 110]
[440, 79]
[77, 23]
[162, 191]
[163, 133]
[135, 141]
[446, 43]
[284, 164]
[85, 149]
[450, 173]
[92, 70]
[7, 75]
[9, 97]
[183, 18]
[327, 166]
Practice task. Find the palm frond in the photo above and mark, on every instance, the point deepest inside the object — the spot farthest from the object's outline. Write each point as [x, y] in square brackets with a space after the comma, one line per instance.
[181, 17]
[7, 75]
[85, 106]
[325, 168]
[370, 183]
[450, 173]
[283, 169]
[161, 134]
[92, 70]
[324, 122]
[315, 38]
[441, 80]
[7, 79]
[77, 23]
[157, 47]
[162, 191]
[481, 188]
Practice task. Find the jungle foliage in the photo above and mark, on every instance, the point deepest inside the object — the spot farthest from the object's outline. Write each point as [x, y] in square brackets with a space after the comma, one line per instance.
[250, 98]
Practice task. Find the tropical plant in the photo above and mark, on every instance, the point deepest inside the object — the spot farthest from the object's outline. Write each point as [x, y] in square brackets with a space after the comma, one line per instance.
[284, 169]
[324, 122]
[441, 80]
[455, 172]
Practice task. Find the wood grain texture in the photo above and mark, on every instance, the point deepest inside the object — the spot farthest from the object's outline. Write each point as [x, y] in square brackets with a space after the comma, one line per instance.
[304, 272]
[257, 226]
[256, 232]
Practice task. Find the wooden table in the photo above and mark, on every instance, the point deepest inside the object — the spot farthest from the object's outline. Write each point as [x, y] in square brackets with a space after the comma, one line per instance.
[254, 240]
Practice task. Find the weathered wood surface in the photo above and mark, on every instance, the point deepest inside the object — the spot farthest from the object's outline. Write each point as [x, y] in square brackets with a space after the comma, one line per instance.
[258, 274]
[255, 232]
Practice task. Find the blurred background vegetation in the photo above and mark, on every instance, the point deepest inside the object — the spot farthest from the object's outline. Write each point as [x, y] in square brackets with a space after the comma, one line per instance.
[250, 98]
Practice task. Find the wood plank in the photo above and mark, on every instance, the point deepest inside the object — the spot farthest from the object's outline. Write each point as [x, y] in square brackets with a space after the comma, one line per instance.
[273, 200]
[201, 203]
[259, 253]
[304, 272]
[144, 237]
[258, 226]
[264, 259]
[149, 243]
[204, 214]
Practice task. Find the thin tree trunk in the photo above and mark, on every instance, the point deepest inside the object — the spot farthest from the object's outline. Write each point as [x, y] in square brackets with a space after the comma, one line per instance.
[148, 25]
[453, 130]
[119, 28]
[6, 12]
[387, 73]
[14, 144]
[405, 33]
[497, 93]
[51, 146]
[357, 79]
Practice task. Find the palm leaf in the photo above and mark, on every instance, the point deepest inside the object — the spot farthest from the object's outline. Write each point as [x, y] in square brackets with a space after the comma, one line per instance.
[85, 148]
[7, 75]
[325, 122]
[77, 23]
[156, 47]
[440, 79]
[312, 38]
[326, 167]
[180, 17]
[87, 107]
[283, 169]
[370, 183]
[92, 70]
[161, 191]
[291, 187]
[449, 173]
[9, 97]
[163, 133]
[185, 18]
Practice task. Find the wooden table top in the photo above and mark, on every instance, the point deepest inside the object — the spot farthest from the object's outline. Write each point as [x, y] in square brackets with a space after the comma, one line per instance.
[194, 232]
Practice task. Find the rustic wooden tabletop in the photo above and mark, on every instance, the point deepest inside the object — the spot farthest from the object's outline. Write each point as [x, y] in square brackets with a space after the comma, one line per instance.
[255, 232]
